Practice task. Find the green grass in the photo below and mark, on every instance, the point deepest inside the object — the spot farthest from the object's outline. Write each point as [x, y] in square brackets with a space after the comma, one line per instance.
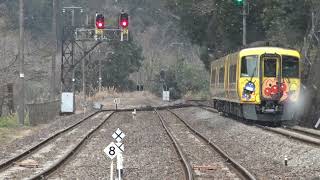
[11, 121]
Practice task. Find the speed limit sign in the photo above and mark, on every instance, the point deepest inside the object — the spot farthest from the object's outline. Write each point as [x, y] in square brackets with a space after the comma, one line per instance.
[111, 150]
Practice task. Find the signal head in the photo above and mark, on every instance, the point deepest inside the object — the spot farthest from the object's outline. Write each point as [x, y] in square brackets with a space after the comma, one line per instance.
[99, 21]
[239, 2]
[124, 20]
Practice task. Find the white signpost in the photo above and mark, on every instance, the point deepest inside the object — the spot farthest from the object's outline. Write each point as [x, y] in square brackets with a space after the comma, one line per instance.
[111, 150]
[317, 124]
[118, 135]
[115, 150]
[116, 101]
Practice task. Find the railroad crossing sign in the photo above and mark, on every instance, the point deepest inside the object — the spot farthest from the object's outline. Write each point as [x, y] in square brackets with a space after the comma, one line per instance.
[120, 146]
[118, 135]
[111, 150]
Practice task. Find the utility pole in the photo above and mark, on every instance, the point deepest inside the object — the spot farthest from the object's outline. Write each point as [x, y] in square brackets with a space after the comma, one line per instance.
[21, 58]
[54, 51]
[84, 76]
[73, 69]
[59, 35]
[244, 22]
[100, 73]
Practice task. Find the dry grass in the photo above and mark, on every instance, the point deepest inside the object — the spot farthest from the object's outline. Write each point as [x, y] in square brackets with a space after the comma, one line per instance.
[110, 92]
[11, 130]
[7, 135]
[81, 106]
[200, 95]
[105, 92]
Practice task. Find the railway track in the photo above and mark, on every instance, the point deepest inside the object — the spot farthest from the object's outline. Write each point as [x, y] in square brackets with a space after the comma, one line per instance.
[309, 132]
[296, 133]
[196, 152]
[301, 134]
[186, 164]
[42, 159]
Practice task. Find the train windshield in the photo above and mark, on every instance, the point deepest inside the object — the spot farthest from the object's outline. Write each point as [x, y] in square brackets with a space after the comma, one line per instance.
[249, 66]
[290, 67]
[270, 67]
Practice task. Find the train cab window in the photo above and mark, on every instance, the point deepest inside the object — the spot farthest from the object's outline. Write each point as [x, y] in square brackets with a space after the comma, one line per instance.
[249, 66]
[221, 75]
[290, 67]
[213, 77]
[270, 67]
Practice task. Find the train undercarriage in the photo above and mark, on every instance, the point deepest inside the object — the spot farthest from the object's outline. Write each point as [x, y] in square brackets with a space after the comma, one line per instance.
[267, 111]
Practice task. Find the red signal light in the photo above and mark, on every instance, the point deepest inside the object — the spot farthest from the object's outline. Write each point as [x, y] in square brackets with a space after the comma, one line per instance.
[124, 23]
[100, 21]
[100, 24]
[124, 20]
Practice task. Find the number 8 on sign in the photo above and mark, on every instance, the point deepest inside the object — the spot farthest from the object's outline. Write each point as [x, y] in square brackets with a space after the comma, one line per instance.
[111, 150]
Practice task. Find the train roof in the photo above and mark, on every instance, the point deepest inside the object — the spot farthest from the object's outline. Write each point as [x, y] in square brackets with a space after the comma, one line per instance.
[269, 50]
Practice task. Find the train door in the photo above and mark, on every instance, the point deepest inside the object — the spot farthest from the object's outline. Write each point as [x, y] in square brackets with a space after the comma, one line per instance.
[270, 77]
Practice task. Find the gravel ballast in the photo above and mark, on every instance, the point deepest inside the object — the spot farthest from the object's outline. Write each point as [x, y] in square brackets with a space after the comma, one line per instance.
[205, 161]
[261, 152]
[17, 146]
[54, 150]
[148, 154]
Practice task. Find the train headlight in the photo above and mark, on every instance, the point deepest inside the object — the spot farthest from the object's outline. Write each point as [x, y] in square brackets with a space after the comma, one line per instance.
[293, 92]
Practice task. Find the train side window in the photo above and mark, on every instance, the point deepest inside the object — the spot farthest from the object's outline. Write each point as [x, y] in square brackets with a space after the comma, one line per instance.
[213, 77]
[290, 67]
[230, 74]
[249, 66]
[221, 75]
[233, 74]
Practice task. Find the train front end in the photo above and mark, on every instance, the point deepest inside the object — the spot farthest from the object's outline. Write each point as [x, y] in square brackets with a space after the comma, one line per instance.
[269, 83]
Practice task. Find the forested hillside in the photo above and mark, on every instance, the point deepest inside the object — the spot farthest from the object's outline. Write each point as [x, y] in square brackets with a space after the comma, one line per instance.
[177, 37]
[152, 28]
[216, 26]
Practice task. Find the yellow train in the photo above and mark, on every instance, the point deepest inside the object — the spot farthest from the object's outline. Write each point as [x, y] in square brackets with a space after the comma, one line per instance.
[261, 83]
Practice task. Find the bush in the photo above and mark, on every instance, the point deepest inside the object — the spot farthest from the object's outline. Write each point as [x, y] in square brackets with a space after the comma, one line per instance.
[11, 121]
[183, 79]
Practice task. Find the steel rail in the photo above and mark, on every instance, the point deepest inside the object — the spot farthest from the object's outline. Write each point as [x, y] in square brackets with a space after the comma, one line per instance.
[291, 132]
[150, 108]
[243, 171]
[23, 154]
[293, 135]
[70, 153]
[306, 132]
[37, 146]
[185, 162]
[211, 109]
